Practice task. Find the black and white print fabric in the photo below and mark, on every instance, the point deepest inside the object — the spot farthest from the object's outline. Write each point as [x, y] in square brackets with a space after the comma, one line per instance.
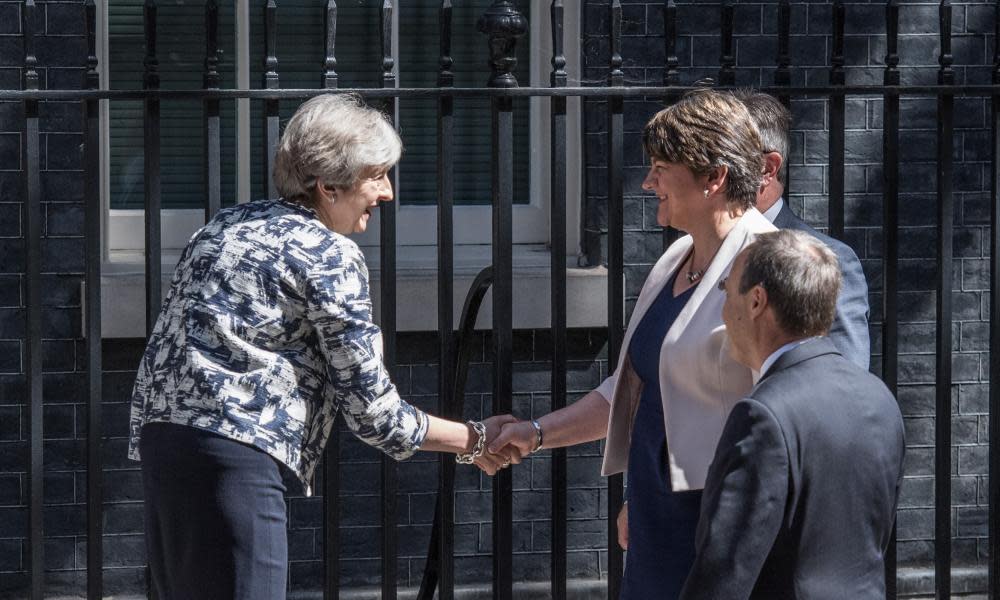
[265, 334]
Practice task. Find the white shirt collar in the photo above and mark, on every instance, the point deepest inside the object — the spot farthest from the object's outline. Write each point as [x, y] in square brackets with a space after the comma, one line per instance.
[772, 213]
[770, 360]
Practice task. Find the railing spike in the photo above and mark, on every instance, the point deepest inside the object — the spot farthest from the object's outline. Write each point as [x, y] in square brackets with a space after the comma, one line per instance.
[727, 60]
[30, 60]
[616, 77]
[996, 43]
[446, 78]
[502, 24]
[91, 77]
[270, 43]
[151, 64]
[386, 38]
[892, 42]
[837, 55]
[330, 77]
[783, 73]
[946, 74]
[211, 77]
[558, 77]
[671, 76]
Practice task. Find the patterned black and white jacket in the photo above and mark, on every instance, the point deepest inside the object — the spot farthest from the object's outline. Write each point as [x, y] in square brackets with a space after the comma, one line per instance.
[265, 334]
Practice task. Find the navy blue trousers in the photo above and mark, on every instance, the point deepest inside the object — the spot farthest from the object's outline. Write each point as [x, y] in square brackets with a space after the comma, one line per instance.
[215, 516]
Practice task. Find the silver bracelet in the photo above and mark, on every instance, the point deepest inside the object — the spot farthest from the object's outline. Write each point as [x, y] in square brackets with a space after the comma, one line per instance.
[477, 449]
[538, 435]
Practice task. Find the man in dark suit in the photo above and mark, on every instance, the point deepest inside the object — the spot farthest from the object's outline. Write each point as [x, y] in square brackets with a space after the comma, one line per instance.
[800, 498]
[850, 327]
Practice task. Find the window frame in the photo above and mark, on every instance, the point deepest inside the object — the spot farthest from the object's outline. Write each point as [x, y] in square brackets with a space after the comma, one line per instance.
[417, 224]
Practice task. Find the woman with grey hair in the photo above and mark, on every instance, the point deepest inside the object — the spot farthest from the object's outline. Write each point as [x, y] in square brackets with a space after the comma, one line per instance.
[266, 334]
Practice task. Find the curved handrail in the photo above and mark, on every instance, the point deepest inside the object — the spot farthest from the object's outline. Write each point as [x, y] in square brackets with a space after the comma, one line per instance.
[470, 311]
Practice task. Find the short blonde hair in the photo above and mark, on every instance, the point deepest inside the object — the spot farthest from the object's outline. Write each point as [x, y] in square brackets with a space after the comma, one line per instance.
[707, 129]
[336, 139]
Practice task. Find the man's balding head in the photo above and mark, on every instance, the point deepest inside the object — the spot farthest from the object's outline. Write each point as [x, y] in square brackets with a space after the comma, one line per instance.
[801, 276]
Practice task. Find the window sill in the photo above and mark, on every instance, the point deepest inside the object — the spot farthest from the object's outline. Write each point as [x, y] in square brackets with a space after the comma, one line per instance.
[123, 289]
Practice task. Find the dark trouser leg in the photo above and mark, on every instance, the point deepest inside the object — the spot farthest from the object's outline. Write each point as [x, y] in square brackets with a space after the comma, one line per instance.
[215, 517]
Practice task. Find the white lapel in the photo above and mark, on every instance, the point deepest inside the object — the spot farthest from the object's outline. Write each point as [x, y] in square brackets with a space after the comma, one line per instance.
[655, 281]
[751, 221]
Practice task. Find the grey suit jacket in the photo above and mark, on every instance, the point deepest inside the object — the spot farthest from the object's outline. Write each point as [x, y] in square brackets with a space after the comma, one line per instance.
[800, 498]
[850, 326]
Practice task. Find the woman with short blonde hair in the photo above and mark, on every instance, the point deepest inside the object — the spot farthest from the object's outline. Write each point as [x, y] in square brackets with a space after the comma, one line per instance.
[663, 409]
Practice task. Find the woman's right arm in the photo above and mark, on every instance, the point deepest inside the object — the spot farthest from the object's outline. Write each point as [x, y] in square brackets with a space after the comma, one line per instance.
[340, 310]
[583, 421]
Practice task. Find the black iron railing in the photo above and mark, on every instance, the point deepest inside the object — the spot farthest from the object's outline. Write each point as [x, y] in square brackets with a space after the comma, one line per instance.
[502, 24]
[33, 300]
[890, 236]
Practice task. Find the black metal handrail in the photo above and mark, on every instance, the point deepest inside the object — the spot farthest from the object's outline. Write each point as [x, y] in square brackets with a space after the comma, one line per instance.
[463, 355]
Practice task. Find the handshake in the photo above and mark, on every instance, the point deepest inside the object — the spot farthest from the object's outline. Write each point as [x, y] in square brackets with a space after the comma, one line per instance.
[505, 441]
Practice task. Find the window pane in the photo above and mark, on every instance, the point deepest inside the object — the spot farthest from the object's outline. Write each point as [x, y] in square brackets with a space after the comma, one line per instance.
[300, 55]
[419, 64]
[181, 54]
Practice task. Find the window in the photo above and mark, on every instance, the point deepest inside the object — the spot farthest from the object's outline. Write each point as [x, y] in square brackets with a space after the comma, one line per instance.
[300, 51]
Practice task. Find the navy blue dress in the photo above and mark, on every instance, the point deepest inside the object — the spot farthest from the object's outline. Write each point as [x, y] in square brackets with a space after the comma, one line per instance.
[661, 522]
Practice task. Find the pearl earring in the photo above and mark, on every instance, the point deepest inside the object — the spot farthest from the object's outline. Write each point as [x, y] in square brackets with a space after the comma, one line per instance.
[705, 192]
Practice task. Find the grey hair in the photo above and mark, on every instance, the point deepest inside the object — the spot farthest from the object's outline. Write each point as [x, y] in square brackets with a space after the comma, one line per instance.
[773, 122]
[335, 139]
[801, 276]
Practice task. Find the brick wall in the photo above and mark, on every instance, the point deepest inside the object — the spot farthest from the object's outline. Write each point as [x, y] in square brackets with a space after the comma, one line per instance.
[60, 55]
[698, 49]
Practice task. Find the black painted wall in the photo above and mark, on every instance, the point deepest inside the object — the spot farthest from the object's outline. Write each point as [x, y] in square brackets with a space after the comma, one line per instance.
[60, 44]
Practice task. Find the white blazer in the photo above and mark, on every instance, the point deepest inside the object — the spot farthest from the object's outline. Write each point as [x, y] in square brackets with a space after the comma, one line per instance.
[699, 382]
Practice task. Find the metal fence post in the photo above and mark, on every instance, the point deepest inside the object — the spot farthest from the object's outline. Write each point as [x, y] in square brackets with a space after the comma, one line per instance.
[331, 455]
[446, 309]
[557, 236]
[942, 418]
[32, 365]
[616, 270]
[271, 125]
[93, 256]
[503, 24]
[993, 530]
[387, 317]
[835, 208]
[890, 239]
[212, 125]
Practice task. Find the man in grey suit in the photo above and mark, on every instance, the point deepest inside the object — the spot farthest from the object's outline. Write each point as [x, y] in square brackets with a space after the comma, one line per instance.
[800, 498]
[850, 327]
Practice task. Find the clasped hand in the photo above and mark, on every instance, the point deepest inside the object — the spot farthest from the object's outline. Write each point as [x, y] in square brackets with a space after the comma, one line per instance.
[508, 440]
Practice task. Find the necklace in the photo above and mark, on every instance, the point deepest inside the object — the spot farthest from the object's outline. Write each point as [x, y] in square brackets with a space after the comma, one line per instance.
[695, 275]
